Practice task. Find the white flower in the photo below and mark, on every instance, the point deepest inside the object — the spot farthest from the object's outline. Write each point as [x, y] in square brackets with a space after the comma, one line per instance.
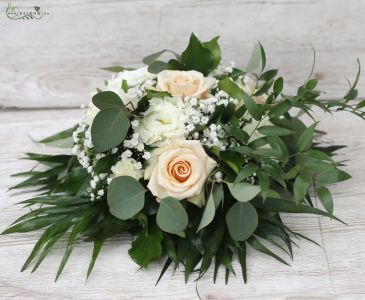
[135, 79]
[163, 120]
[90, 114]
[127, 167]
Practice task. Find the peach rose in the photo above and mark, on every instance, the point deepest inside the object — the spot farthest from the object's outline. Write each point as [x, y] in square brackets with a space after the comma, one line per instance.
[184, 83]
[179, 170]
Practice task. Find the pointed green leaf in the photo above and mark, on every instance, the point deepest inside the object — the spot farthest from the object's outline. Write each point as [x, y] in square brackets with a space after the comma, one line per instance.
[280, 109]
[278, 85]
[306, 138]
[257, 245]
[274, 131]
[209, 211]
[253, 108]
[96, 250]
[230, 88]
[257, 57]
[326, 199]
[301, 185]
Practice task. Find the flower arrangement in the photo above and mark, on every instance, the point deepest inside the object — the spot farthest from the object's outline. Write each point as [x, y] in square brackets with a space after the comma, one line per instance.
[195, 160]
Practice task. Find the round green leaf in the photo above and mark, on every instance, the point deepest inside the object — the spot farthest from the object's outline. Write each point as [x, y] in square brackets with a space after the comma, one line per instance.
[109, 128]
[125, 197]
[241, 220]
[243, 191]
[171, 216]
[107, 99]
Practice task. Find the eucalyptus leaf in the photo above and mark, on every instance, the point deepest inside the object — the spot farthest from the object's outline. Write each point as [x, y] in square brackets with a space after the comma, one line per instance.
[107, 99]
[171, 216]
[242, 220]
[243, 191]
[125, 197]
[109, 128]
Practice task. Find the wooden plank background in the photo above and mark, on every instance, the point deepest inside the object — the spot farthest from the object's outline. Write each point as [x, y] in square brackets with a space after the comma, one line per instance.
[49, 67]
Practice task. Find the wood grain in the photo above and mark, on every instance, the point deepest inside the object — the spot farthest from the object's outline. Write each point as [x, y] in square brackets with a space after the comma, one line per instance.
[53, 62]
[334, 271]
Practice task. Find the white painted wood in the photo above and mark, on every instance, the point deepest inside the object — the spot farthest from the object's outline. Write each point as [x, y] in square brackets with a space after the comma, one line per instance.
[53, 62]
[335, 271]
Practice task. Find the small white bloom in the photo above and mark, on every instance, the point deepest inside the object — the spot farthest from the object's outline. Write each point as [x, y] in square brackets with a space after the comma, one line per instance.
[218, 176]
[134, 79]
[146, 155]
[91, 112]
[164, 120]
[127, 167]
[126, 154]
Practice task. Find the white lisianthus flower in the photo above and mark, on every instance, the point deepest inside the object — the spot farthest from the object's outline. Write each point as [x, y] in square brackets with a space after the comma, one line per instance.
[128, 167]
[135, 79]
[164, 120]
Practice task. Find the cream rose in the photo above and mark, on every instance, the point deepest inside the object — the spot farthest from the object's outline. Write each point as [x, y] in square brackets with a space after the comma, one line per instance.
[179, 170]
[184, 83]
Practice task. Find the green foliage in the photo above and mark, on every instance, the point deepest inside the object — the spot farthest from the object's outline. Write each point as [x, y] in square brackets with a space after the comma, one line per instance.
[147, 246]
[109, 128]
[125, 197]
[107, 99]
[171, 216]
[257, 58]
[202, 57]
[242, 220]
[268, 172]
[242, 191]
